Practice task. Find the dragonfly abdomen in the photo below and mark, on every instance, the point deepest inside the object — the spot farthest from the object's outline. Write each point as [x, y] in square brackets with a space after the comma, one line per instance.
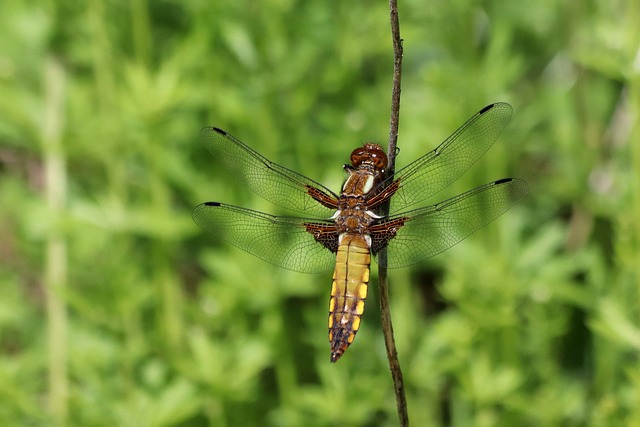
[348, 292]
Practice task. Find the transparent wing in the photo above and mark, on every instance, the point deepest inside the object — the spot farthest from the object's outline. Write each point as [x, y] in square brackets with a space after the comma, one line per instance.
[282, 241]
[269, 180]
[422, 233]
[435, 170]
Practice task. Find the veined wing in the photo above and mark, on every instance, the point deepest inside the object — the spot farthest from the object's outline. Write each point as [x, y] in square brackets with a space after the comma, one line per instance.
[435, 170]
[282, 241]
[269, 180]
[422, 233]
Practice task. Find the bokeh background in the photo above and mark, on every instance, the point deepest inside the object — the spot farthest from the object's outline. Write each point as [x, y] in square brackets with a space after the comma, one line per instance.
[116, 310]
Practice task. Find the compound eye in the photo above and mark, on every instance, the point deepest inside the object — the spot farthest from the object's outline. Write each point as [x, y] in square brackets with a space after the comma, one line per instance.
[379, 159]
[358, 156]
[371, 153]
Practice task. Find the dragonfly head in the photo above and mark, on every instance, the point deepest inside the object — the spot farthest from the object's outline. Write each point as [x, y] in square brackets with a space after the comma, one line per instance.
[369, 154]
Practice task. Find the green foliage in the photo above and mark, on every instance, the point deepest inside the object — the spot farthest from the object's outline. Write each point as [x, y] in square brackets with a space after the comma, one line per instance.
[115, 309]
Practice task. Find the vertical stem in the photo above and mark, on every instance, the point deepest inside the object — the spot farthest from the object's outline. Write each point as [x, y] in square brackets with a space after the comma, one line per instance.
[387, 326]
[397, 79]
[55, 275]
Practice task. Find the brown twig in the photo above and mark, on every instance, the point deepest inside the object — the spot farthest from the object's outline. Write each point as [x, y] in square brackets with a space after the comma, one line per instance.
[397, 77]
[383, 285]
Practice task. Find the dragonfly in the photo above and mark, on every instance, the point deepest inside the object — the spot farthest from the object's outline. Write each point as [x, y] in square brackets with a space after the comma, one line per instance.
[345, 230]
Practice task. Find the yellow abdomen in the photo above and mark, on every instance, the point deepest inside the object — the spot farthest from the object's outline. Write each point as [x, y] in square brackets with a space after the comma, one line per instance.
[348, 292]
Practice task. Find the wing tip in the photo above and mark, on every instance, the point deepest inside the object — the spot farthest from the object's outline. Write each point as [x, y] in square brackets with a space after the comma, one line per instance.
[503, 181]
[487, 108]
[215, 204]
[212, 129]
[503, 105]
[519, 183]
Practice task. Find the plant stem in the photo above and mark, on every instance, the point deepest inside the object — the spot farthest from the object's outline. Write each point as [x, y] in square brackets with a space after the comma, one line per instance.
[383, 285]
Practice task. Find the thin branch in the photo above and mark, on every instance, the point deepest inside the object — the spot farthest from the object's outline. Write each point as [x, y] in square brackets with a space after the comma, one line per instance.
[397, 77]
[383, 285]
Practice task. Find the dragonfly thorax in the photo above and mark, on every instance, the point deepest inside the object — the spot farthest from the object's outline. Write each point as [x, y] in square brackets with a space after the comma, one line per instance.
[354, 215]
[361, 180]
[354, 221]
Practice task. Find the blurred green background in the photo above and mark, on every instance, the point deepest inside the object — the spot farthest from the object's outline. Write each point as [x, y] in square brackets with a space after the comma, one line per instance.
[117, 310]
